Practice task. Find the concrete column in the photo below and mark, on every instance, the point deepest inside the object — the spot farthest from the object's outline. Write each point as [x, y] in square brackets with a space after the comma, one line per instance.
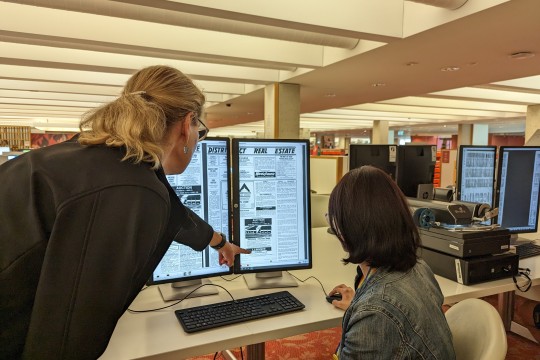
[480, 134]
[532, 123]
[380, 132]
[464, 135]
[282, 111]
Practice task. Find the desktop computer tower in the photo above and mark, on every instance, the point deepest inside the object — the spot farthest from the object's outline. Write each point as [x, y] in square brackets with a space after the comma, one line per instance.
[467, 243]
[471, 270]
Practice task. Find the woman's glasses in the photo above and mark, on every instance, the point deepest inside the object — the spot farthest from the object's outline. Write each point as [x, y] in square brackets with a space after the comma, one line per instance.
[203, 130]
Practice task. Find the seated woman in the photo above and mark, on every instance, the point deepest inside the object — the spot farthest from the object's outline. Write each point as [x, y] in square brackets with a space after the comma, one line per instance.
[396, 310]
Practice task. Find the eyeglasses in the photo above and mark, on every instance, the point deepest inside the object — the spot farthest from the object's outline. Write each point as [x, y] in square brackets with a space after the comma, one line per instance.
[203, 130]
[331, 229]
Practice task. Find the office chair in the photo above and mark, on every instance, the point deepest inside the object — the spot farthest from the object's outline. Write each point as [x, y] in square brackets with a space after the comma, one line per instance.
[477, 330]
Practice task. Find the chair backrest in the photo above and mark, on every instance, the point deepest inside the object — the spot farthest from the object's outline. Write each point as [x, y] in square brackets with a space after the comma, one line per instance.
[319, 207]
[477, 330]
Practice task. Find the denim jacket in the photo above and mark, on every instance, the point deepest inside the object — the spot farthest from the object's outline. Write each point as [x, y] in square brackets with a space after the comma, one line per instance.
[397, 315]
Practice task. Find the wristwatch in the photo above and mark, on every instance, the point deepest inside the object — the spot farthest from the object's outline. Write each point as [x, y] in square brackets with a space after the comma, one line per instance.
[222, 242]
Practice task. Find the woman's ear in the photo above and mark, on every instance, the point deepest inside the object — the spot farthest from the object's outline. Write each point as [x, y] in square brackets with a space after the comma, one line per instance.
[185, 128]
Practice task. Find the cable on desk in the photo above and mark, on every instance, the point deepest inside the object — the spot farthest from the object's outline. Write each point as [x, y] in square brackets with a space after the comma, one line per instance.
[311, 277]
[522, 272]
[234, 278]
[179, 301]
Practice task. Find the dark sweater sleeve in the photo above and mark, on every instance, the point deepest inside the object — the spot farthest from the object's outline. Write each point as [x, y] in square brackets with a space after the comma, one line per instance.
[96, 260]
[187, 227]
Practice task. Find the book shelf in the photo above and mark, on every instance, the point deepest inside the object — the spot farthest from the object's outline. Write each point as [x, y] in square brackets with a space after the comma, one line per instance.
[16, 137]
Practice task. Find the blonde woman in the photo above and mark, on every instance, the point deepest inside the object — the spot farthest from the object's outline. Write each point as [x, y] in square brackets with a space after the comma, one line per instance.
[84, 223]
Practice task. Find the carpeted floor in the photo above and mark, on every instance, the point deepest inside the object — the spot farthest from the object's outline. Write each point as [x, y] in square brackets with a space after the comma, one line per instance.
[320, 345]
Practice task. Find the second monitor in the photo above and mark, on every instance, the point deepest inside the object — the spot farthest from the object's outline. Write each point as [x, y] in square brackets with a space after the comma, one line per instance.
[271, 202]
[378, 155]
[204, 188]
[416, 169]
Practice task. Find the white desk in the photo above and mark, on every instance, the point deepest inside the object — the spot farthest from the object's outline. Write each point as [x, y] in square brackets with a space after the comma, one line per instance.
[158, 335]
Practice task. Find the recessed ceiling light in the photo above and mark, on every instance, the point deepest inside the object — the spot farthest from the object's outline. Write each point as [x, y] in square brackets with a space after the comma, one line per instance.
[450, 68]
[378, 84]
[330, 95]
[520, 55]
[411, 63]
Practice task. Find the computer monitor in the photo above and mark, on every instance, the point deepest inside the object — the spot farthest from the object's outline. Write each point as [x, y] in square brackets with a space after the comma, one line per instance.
[518, 189]
[4, 149]
[476, 174]
[271, 210]
[204, 188]
[378, 155]
[415, 170]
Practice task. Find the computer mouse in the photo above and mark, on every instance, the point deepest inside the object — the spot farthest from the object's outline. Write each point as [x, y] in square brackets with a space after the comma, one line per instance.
[336, 296]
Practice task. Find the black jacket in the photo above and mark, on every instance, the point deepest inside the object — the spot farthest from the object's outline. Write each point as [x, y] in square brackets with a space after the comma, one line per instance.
[80, 234]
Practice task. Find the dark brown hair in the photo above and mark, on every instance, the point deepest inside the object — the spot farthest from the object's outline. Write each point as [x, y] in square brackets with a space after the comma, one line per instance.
[373, 221]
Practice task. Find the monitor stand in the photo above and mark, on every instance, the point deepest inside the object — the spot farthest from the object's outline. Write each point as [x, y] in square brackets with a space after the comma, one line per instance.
[181, 289]
[268, 280]
[515, 240]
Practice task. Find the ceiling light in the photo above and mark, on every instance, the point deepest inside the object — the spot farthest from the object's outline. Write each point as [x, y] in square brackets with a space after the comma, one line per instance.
[330, 95]
[411, 63]
[450, 68]
[378, 84]
[520, 55]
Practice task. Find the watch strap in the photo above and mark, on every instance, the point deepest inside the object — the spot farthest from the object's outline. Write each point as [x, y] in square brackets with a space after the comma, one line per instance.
[222, 242]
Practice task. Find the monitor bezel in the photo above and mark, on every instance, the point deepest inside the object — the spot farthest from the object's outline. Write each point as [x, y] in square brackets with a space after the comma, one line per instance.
[229, 234]
[460, 168]
[236, 207]
[498, 188]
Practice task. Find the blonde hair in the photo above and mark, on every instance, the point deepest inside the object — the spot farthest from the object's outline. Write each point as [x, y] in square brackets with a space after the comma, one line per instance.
[152, 100]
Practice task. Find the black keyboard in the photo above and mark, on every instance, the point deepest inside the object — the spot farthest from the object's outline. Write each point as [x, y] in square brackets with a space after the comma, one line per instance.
[527, 250]
[231, 312]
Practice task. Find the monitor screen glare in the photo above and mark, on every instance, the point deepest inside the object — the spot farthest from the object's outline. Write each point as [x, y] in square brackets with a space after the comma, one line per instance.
[271, 210]
[518, 188]
[204, 188]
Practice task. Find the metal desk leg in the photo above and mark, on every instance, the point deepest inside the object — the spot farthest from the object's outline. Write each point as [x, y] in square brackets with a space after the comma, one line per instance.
[505, 306]
[255, 351]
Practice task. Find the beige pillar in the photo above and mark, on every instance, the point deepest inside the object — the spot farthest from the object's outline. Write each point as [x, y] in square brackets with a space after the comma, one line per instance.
[532, 124]
[380, 132]
[282, 111]
[464, 135]
[480, 134]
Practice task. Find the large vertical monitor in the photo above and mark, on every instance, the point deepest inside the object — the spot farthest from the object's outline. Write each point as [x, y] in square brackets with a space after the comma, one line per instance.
[378, 155]
[271, 210]
[518, 189]
[415, 170]
[204, 188]
[476, 174]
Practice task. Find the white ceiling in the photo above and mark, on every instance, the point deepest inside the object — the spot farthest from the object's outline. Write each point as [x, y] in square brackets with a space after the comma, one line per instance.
[59, 58]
